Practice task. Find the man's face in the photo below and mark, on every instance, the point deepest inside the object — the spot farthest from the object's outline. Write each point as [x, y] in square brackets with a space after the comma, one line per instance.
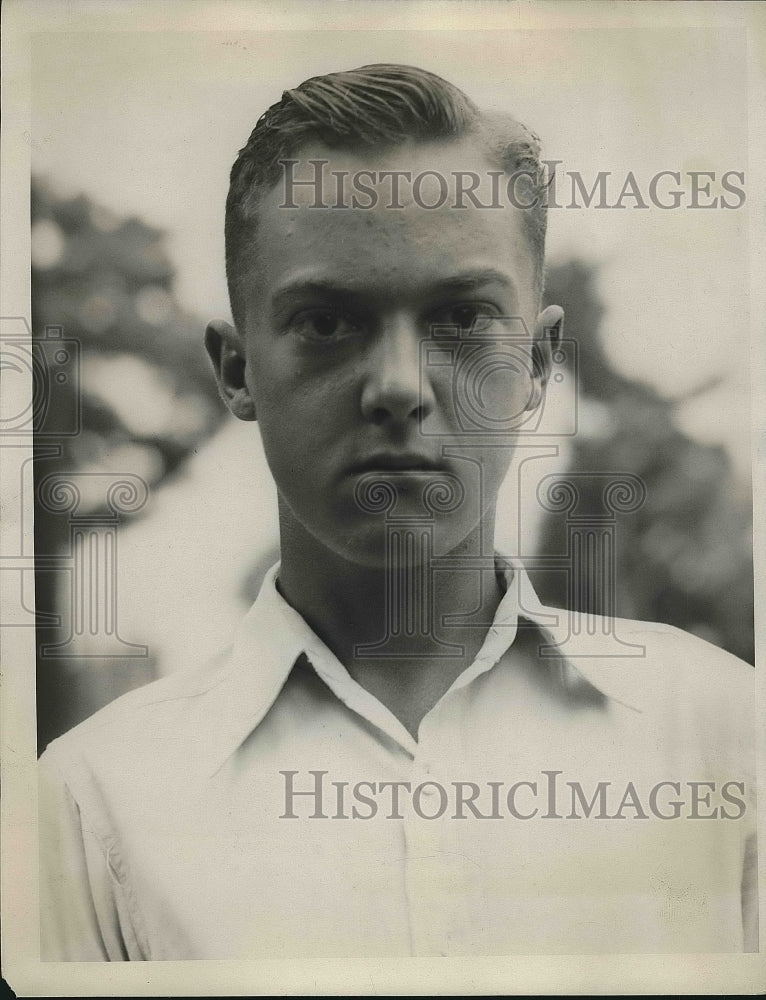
[338, 339]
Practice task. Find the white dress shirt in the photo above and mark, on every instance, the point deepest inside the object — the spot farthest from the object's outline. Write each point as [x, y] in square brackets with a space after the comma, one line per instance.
[535, 811]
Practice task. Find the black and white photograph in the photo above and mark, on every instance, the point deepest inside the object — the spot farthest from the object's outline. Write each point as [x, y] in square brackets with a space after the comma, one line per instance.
[382, 439]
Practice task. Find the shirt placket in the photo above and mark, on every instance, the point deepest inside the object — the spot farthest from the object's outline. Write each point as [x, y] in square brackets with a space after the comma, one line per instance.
[435, 875]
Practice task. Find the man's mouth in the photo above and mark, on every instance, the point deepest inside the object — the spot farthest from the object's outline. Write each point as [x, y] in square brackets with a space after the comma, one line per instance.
[397, 462]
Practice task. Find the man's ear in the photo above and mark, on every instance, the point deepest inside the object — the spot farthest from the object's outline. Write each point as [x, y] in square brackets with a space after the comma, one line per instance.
[549, 327]
[224, 345]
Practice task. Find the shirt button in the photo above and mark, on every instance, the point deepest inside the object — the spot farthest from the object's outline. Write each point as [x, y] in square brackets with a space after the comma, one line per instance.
[429, 790]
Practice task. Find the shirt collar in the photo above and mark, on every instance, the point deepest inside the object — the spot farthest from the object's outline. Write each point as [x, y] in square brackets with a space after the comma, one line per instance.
[601, 650]
[273, 636]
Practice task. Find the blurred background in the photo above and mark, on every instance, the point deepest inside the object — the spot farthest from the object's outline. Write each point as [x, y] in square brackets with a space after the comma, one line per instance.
[131, 148]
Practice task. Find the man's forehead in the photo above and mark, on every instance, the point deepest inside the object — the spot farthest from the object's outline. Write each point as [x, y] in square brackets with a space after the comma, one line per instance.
[445, 155]
[389, 248]
[442, 181]
[428, 174]
[391, 216]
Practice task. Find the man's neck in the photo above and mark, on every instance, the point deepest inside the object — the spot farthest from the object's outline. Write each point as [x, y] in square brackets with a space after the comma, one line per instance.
[387, 625]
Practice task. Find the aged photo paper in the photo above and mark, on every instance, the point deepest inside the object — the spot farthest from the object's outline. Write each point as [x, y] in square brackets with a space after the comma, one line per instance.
[382, 561]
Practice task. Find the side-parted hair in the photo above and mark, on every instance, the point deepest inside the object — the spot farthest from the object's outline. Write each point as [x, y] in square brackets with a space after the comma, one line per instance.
[371, 107]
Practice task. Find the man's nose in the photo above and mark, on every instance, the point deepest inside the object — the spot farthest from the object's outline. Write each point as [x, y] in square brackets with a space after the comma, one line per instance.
[393, 390]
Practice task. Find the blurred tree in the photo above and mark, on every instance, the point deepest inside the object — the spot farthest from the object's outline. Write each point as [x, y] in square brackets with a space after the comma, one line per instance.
[144, 392]
[685, 557]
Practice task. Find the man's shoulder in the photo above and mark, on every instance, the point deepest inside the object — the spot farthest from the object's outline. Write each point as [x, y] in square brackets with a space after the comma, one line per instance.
[668, 672]
[683, 658]
[144, 720]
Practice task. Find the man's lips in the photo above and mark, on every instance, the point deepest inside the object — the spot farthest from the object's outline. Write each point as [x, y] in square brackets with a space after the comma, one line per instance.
[397, 462]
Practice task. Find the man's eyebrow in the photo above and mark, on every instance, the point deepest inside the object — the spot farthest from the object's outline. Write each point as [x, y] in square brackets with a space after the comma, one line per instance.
[311, 286]
[471, 280]
[462, 281]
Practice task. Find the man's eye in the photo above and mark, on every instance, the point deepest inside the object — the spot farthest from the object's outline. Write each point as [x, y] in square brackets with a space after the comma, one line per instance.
[468, 316]
[323, 325]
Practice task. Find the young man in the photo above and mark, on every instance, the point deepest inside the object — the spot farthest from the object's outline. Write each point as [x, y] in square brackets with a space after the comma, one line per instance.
[403, 753]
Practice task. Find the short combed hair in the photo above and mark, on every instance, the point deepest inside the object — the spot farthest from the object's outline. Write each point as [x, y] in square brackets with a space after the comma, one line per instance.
[371, 107]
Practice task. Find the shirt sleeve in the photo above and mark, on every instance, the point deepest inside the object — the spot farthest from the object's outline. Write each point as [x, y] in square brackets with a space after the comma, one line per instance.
[84, 912]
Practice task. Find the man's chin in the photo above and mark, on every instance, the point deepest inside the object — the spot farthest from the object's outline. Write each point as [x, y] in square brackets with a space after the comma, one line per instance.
[396, 545]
